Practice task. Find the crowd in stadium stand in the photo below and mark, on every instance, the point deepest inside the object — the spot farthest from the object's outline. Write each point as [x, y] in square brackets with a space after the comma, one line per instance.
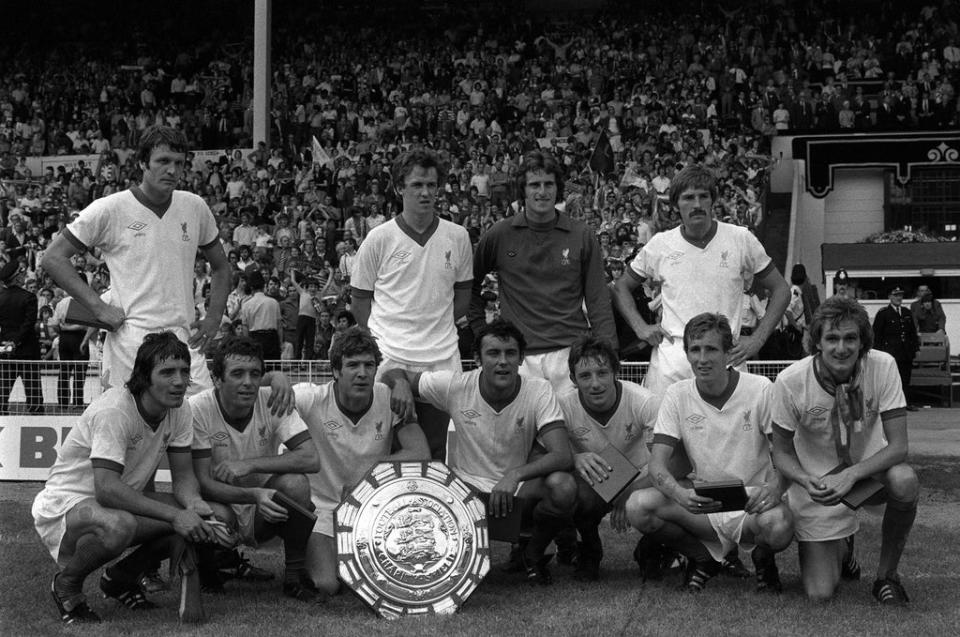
[663, 88]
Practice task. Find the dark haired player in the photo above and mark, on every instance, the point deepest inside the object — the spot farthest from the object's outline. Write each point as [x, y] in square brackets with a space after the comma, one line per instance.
[843, 408]
[600, 411]
[353, 429]
[498, 416]
[93, 507]
[148, 235]
[237, 462]
[721, 418]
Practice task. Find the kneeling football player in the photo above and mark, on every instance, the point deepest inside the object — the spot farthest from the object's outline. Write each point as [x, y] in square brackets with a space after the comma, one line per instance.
[237, 461]
[721, 419]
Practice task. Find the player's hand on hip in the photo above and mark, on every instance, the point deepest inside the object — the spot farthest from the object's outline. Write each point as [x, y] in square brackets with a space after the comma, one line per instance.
[267, 508]
[746, 349]
[401, 400]
[282, 399]
[654, 334]
[111, 315]
[203, 334]
[591, 467]
[230, 471]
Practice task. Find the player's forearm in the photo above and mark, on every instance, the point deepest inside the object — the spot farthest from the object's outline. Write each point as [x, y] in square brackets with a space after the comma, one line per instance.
[546, 464]
[786, 461]
[661, 478]
[299, 460]
[117, 495]
[219, 290]
[217, 491]
[186, 488]
[361, 307]
[622, 297]
[776, 307]
[65, 275]
[890, 455]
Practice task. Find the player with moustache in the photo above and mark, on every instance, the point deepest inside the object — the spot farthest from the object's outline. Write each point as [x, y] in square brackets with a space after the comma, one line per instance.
[700, 266]
[721, 419]
[93, 506]
[839, 417]
[353, 428]
[237, 437]
[603, 411]
[498, 415]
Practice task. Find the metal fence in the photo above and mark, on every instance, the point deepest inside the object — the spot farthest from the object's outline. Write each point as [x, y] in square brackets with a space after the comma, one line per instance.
[57, 387]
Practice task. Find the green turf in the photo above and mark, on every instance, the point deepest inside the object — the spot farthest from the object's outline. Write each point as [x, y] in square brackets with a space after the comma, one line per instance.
[619, 605]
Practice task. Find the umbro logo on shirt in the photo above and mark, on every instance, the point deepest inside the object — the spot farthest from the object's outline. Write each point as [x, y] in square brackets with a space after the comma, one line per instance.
[674, 257]
[400, 255]
[817, 410]
[332, 425]
[695, 419]
[220, 436]
[470, 413]
[580, 433]
[135, 440]
[137, 226]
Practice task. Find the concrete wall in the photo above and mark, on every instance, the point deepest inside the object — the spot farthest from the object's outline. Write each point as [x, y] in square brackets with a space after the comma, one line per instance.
[854, 208]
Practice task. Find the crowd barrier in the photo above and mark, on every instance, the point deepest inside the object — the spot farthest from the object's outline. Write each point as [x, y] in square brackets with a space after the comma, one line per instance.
[29, 441]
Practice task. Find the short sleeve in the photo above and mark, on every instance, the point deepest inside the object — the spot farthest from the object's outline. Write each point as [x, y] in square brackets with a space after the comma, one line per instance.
[757, 258]
[364, 272]
[108, 439]
[889, 385]
[208, 232]
[668, 418]
[181, 427]
[783, 410]
[465, 261]
[548, 407]
[90, 228]
[646, 264]
[290, 426]
[305, 394]
[434, 387]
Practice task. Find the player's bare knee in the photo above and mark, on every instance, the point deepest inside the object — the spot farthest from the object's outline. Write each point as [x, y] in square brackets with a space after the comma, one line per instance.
[116, 529]
[294, 485]
[902, 483]
[641, 510]
[776, 527]
[562, 490]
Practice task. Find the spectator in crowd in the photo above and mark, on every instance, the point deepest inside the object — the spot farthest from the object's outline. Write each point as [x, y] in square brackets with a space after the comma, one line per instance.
[19, 340]
[71, 339]
[928, 311]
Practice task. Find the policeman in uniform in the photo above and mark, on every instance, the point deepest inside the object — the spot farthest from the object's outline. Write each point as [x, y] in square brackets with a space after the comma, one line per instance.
[895, 333]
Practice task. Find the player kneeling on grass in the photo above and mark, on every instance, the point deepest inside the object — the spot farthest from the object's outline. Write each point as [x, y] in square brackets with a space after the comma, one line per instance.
[602, 411]
[93, 507]
[839, 419]
[241, 472]
[720, 418]
[353, 429]
[497, 416]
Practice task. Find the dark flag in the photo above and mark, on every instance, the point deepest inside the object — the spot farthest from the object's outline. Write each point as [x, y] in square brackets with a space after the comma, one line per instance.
[601, 161]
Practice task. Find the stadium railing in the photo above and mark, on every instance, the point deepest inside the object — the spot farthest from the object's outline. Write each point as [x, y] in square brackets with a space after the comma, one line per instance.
[296, 370]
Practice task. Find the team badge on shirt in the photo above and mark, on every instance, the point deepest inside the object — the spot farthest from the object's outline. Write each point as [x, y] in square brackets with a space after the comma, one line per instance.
[379, 428]
[448, 265]
[747, 425]
[135, 440]
[631, 431]
[519, 423]
[565, 256]
[183, 228]
[723, 259]
[262, 431]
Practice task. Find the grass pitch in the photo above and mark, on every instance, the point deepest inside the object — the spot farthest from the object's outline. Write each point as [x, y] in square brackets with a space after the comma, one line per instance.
[618, 605]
